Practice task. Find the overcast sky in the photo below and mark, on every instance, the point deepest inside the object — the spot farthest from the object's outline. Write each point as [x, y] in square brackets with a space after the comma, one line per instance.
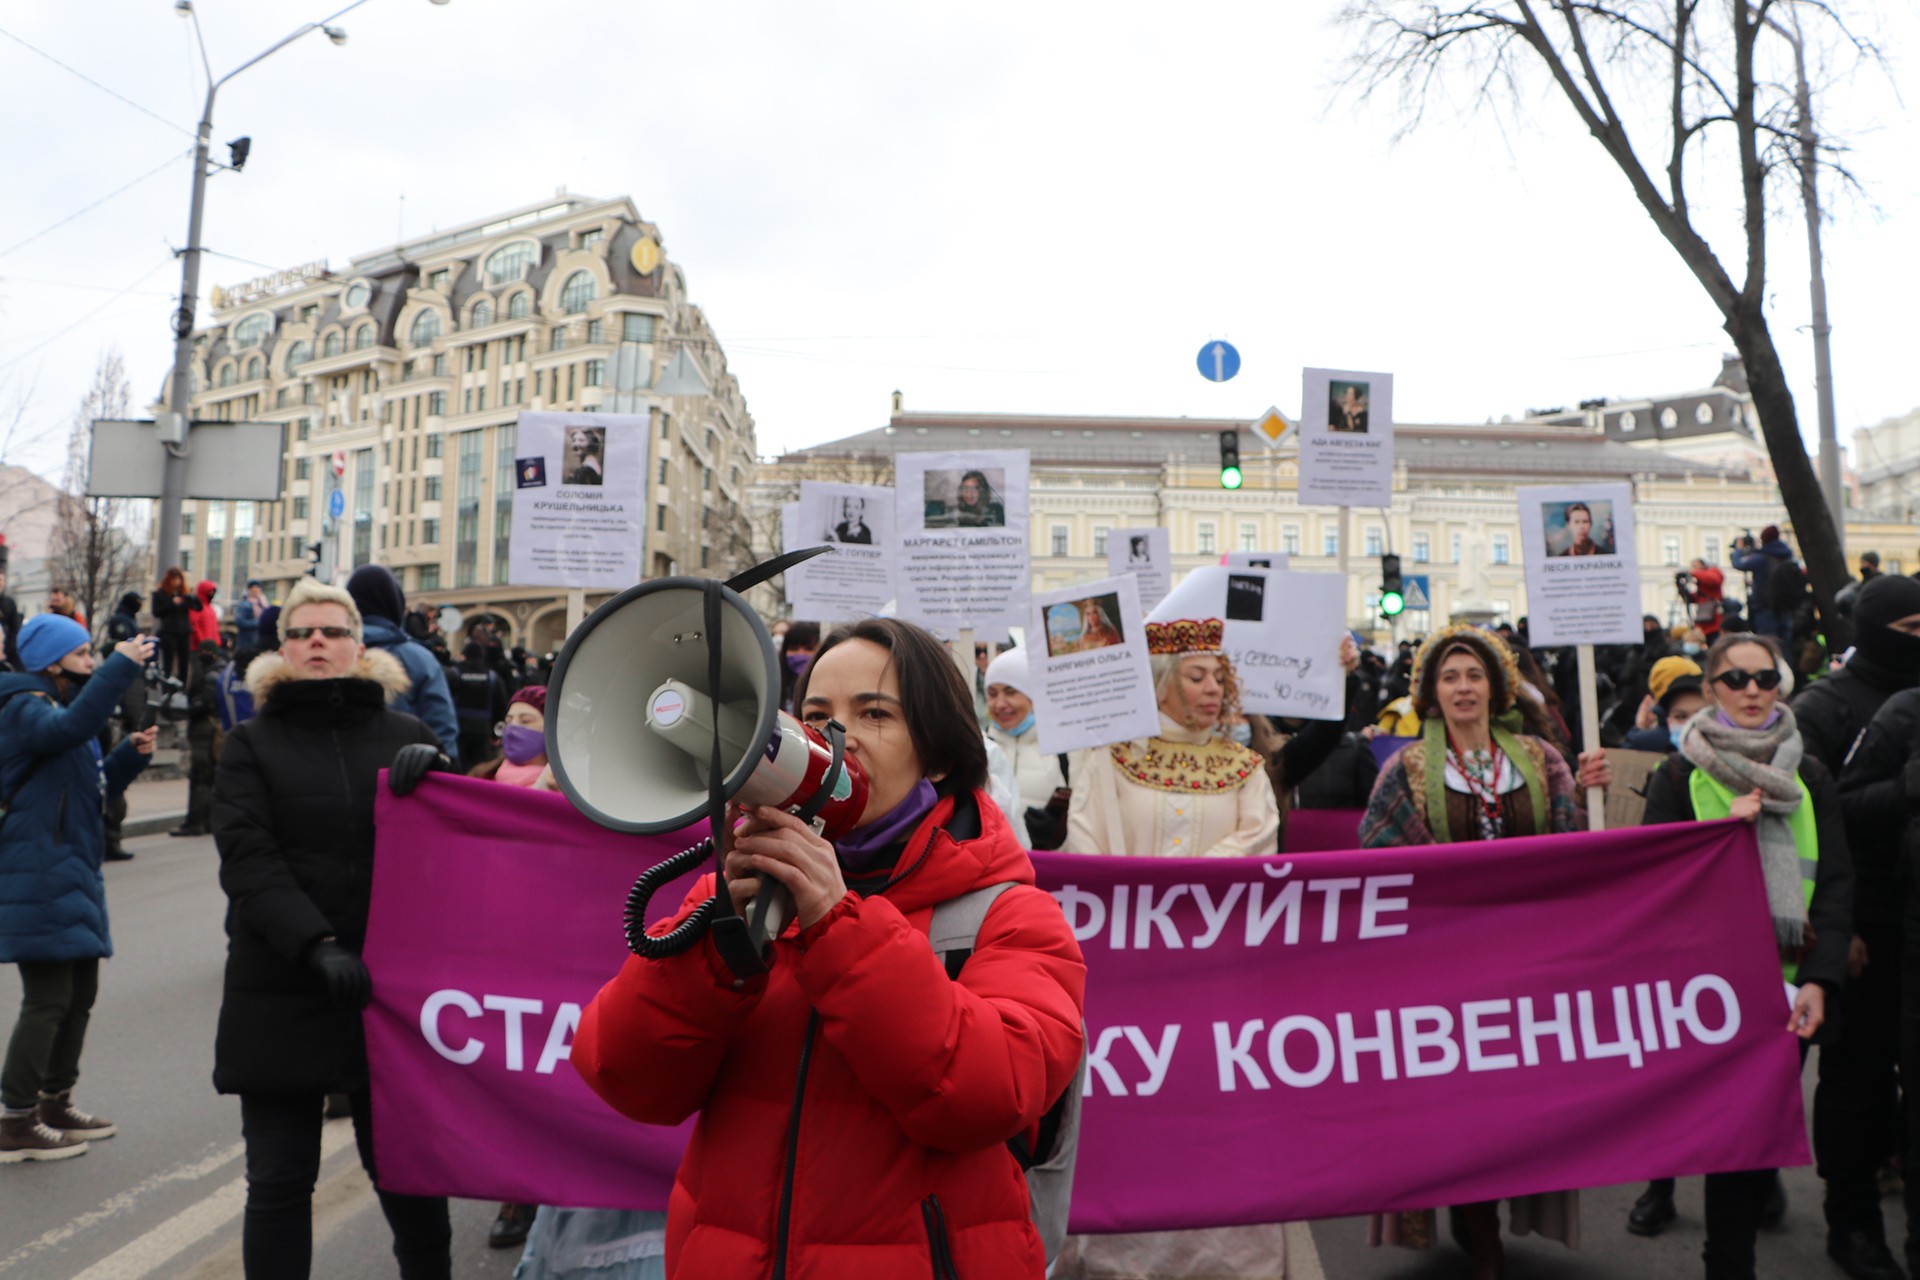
[991, 207]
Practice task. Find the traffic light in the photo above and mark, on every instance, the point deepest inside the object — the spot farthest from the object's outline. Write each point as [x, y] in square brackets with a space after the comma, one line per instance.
[1393, 597]
[316, 551]
[237, 152]
[1230, 459]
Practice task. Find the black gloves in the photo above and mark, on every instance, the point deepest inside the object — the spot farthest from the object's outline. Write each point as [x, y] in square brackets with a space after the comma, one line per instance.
[412, 763]
[348, 983]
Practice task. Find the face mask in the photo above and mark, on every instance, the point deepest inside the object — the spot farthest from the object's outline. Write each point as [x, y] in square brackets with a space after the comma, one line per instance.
[521, 744]
[1023, 726]
[1241, 733]
[1674, 731]
[1689, 648]
[797, 662]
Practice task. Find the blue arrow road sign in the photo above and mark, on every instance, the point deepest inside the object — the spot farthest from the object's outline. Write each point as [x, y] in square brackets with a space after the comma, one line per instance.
[337, 503]
[1218, 361]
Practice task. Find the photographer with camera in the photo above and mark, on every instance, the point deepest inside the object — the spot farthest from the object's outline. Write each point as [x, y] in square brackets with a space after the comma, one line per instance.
[1773, 575]
[856, 1103]
[53, 898]
[1702, 587]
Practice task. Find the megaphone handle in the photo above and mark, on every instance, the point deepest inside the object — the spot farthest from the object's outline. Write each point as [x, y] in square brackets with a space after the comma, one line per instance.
[768, 913]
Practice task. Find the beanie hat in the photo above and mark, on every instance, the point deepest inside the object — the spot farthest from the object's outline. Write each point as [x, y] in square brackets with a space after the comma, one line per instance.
[1881, 602]
[1886, 599]
[534, 695]
[47, 638]
[1669, 672]
[1010, 669]
[377, 592]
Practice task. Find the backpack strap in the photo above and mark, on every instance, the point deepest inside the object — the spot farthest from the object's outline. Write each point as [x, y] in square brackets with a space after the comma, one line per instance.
[956, 925]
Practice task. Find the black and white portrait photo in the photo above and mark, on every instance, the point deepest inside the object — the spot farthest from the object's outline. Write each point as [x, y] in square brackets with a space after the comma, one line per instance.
[852, 525]
[583, 462]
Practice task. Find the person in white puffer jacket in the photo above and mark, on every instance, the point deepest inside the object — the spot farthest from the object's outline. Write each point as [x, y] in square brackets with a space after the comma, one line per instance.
[1010, 727]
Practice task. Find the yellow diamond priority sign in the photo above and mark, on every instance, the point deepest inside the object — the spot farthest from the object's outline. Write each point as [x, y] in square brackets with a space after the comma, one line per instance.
[1272, 428]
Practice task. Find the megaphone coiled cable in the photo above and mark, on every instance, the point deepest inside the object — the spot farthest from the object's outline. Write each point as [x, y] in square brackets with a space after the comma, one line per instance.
[688, 931]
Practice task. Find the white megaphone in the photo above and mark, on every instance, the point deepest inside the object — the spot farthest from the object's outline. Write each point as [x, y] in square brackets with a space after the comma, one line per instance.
[658, 686]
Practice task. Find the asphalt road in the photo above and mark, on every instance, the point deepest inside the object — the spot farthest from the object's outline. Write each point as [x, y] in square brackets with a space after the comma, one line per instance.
[163, 1198]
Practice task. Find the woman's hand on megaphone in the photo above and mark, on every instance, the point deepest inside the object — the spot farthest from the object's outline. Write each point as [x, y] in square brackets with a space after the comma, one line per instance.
[772, 842]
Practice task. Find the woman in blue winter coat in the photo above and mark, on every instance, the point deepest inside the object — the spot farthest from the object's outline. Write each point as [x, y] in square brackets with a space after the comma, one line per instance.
[53, 900]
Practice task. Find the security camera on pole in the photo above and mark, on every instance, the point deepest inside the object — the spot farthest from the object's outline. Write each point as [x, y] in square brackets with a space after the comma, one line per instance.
[171, 428]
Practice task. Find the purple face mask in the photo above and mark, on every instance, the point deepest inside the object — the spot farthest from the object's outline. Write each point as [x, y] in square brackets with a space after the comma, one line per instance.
[521, 744]
[797, 662]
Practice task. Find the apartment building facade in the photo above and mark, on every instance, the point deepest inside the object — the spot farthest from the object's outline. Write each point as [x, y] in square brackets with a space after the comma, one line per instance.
[399, 382]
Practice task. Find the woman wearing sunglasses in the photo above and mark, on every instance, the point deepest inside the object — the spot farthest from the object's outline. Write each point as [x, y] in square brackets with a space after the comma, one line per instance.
[293, 820]
[1741, 757]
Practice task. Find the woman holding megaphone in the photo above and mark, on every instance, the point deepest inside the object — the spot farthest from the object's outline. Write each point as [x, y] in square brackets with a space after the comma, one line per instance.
[855, 1103]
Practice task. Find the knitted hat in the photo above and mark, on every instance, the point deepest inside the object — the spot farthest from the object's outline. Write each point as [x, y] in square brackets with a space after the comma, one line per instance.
[1503, 673]
[1673, 675]
[534, 695]
[47, 638]
[1010, 669]
[377, 592]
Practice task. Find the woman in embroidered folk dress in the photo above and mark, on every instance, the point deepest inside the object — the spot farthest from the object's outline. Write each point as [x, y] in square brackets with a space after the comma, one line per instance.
[1472, 776]
[1184, 793]
[1189, 792]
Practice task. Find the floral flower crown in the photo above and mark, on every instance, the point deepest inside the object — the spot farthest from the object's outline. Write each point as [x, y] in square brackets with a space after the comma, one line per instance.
[1185, 635]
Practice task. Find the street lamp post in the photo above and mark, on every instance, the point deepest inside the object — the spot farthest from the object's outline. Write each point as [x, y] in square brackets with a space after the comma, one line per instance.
[178, 423]
[1822, 331]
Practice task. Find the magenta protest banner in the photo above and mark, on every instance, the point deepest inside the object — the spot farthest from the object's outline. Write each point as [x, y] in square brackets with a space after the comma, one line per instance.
[1269, 1039]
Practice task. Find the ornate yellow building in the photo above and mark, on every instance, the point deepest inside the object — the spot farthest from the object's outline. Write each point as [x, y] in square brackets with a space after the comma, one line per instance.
[400, 380]
[1454, 521]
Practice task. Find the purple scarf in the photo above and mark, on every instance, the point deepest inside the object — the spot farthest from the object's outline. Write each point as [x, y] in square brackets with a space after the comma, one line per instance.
[859, 847]
[1725, 720]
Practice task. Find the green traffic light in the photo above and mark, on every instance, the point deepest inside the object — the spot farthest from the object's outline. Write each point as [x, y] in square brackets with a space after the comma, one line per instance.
[1391, 604]
[1229, 477]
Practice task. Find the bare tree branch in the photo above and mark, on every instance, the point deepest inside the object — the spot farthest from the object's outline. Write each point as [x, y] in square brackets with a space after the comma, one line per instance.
[1650, 67]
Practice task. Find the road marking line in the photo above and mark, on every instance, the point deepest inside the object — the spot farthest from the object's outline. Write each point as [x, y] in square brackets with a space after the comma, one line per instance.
[337, 1200]
[143, 1257]
[1303, 1258]
[123, 1201]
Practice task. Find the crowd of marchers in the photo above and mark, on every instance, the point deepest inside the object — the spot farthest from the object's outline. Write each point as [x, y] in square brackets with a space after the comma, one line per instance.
[864, 1108]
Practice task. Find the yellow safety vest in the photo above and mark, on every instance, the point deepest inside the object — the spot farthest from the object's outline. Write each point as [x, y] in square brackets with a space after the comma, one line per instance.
[1711, 800]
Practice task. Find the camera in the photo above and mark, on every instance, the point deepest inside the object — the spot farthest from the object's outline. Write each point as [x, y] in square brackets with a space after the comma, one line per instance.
[166, 700]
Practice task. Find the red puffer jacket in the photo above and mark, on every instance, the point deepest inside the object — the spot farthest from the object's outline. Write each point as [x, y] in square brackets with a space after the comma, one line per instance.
[855, 1103]
[206, 623]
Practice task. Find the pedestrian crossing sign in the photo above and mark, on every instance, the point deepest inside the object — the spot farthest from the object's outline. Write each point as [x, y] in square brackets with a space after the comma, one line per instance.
[1415, 591]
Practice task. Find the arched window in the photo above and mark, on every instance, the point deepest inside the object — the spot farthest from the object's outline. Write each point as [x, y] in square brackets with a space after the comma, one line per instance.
[363, 337]
[253, 369]
[426, 327]
[578, 291]
[250, 331]
[510, 262]
[226, 374]
[332, 345]
[482, 315]
[298, 354]
[519, 305]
